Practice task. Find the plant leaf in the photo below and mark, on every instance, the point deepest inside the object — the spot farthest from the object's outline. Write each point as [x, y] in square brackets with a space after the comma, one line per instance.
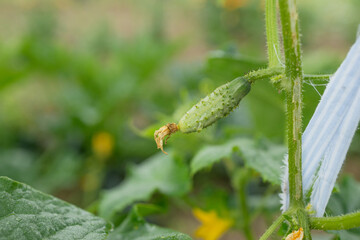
[347, 199]
[161, 172]
[262, 156]
[343, 202]
[134, 227]
[26, 213]
[209, 155]
[351, 234]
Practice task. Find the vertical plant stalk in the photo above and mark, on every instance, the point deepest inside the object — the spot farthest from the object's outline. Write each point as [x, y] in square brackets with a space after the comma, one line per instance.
[239, 181]
[244, 206]
[293, 71]
[272, 37]
[273, 227]
[294, 78]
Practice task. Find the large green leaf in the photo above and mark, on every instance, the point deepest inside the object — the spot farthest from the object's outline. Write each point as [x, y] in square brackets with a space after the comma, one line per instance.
[345, 201]
[26, 213]
[351, 234]
[134, 227]
[262, 156]
[209, 155]
[161, 172]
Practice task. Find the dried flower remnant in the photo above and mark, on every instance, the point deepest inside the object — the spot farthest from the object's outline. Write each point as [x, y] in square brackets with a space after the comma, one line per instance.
[164, 131]
[296, 235]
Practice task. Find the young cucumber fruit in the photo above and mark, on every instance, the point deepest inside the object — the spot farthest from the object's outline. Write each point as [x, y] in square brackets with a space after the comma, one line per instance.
[216, 105]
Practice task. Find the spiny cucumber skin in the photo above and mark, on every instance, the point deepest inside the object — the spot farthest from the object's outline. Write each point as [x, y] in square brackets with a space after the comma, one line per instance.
[215, 106]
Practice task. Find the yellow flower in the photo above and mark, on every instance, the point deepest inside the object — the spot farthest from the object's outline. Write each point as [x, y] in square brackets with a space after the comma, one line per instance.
[212, 225]
[102, 144]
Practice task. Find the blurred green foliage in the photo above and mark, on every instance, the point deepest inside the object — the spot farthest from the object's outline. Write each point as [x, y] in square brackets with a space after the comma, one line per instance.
[56, 96]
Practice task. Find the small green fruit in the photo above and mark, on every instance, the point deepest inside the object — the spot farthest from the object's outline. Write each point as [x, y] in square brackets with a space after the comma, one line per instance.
[215, 106]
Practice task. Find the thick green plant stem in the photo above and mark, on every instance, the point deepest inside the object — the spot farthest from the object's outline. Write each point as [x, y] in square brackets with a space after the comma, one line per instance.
[293, 71]
[294, 78]
[347, 221]
[273, 227]
[303, 219]
[272, 37]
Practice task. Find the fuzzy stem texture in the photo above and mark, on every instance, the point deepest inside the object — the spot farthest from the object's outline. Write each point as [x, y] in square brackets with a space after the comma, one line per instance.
[294, 78]
[293, 71]
[263, 74]
[347, 221]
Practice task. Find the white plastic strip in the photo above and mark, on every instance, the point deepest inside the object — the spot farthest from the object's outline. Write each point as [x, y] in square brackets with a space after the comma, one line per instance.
[335, 117]
[334, 158]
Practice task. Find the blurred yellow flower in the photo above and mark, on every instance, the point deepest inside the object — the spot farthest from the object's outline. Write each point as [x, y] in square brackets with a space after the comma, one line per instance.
[212, 225]
[102, 144]
[233, 4]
